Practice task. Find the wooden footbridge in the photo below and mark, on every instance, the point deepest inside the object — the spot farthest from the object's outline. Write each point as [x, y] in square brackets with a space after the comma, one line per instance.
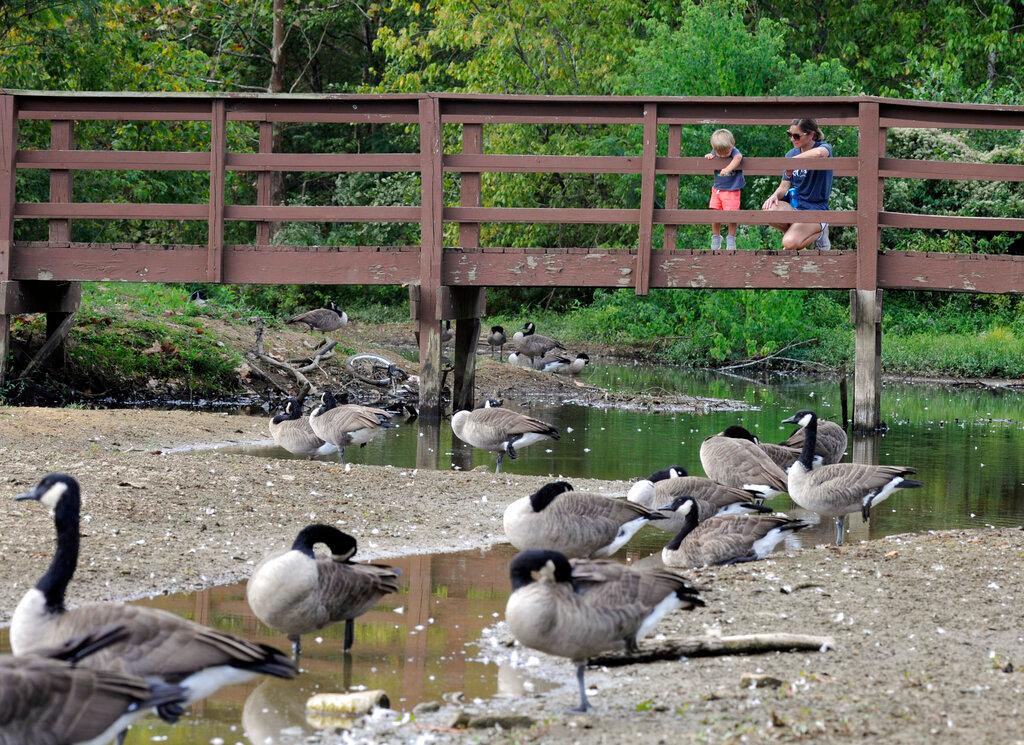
[448, 281]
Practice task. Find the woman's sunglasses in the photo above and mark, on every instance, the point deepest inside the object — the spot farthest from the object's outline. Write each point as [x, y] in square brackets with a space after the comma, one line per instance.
[795, 135]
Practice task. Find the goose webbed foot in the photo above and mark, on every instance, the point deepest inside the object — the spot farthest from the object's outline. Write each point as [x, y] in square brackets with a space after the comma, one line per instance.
[739, 559]
[631, 645]
[170, 713]
[296, 648]
[121, 736]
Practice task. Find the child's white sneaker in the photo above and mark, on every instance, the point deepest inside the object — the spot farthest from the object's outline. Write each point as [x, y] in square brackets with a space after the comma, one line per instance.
[823, 243]
[716, 243]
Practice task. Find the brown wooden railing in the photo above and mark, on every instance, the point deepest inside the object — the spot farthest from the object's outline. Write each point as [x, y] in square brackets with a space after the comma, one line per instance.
[431, 266]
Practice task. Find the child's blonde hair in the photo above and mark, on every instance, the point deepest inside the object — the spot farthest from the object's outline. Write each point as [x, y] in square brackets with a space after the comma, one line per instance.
[722, 139]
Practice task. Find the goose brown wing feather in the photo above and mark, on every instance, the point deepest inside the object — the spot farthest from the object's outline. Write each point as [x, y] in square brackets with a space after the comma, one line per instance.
[699, 488]
[323, 319]
[848, 483]
[736, 462]
[782, 455]
[349, 590]
[725, 537]
[830, 443]
[508, 421]
[618, 511]
[350, 417]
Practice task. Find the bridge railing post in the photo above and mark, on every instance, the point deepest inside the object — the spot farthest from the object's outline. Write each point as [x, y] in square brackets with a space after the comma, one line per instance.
[866, 299]
[647, 173]
[218, 155]
[8, 166]
[264, 183]
[61, 138]
[431, 247]
[467, 328]
[675, 150]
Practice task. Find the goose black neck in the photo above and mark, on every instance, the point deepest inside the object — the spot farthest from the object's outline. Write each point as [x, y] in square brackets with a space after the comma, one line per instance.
[341, 544]
[295, 412]
[810, 443]
[54, 583]
[688, 525]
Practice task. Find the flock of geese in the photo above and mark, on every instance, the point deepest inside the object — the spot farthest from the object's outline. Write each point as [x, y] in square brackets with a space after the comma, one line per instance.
[85, 674]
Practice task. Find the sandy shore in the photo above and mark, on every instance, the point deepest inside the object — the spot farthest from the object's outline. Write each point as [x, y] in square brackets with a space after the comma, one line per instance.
[929, 629]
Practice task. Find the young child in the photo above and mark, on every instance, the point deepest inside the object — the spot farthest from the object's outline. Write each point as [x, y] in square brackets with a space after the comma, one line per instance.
[725, 193]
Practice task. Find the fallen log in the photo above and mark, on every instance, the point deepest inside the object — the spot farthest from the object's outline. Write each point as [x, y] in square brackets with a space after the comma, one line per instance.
[713, 646]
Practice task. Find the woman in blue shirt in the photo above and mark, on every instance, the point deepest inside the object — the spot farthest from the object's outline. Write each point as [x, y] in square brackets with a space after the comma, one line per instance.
[813, 188]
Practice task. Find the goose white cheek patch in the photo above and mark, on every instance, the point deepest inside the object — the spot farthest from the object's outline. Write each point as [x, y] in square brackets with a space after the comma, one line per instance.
[53, 495]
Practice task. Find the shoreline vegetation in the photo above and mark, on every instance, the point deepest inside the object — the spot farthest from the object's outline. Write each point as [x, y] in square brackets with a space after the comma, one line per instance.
[151, 341]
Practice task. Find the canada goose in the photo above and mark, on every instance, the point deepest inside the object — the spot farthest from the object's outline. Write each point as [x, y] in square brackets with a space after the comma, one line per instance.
[838, 489]
[557, 364]
[548, 612]
[326, 319]
[161, 647]
[581, 361]
[347, 424]
[296, 592]
[292, 432]
[662, 490]
[497, 339]
[47, 699]
[519, 360]
[446, 333]
[730, 458]
[533, 345]
[783, 455]
[725, 539]
[500, 431]
[831, 442]
[578, 524]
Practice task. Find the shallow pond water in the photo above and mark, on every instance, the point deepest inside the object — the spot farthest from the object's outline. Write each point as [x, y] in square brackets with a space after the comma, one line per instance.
[964, 442]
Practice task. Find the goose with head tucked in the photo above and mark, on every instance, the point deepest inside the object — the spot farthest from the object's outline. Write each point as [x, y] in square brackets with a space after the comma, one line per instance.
[725, 539]
[830, 444]
[534, 345]
[297, 592]
[160, 646]
[292, 432]
[48, 698]
[500, 431]
[577, 524]
[580, 610]
[733, 458]
[839, 489]
[343, 424]
[329, 318]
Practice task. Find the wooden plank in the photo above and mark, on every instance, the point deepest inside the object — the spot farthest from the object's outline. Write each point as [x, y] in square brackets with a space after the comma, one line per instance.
[540, 215]
[948, 171]
[916, 115]
[754, 217]
[242, 264]
[474, 163]
[469, 184]
[454, 305]
[950, 222]
[8, 176]
[807, 269]
[467, 332]
[215, 222]
[324, 162]
[322, 214]
[869, 198]
[112, 211]
[48, 297]
[650, 152]
[675, 150]
[113, 160]
[912, 270]
[61, 138]
[755, 166]
[867, 383]
[264, 183]
[431, 248]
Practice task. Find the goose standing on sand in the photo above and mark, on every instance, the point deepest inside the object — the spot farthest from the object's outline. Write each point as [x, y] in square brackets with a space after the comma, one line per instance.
[343, 424]
[47, 698]
[725, 539]
[292, 432]
[577, 524]
[296, 592]
[500, 431]
[734, 459]
[160, 646]
[330, 318]
[533, 345]
[446, 333]
[497, 339]
[578, 611]
[830, 445]
[838, 489]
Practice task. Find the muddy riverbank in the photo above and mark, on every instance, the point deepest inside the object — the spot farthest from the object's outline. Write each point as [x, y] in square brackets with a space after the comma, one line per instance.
[927, 627]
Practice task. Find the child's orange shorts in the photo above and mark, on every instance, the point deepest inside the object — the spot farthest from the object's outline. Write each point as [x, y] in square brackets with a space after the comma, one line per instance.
[725, 200]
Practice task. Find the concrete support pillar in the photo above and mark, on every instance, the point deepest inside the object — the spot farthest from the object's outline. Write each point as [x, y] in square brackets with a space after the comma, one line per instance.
[866, 314]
